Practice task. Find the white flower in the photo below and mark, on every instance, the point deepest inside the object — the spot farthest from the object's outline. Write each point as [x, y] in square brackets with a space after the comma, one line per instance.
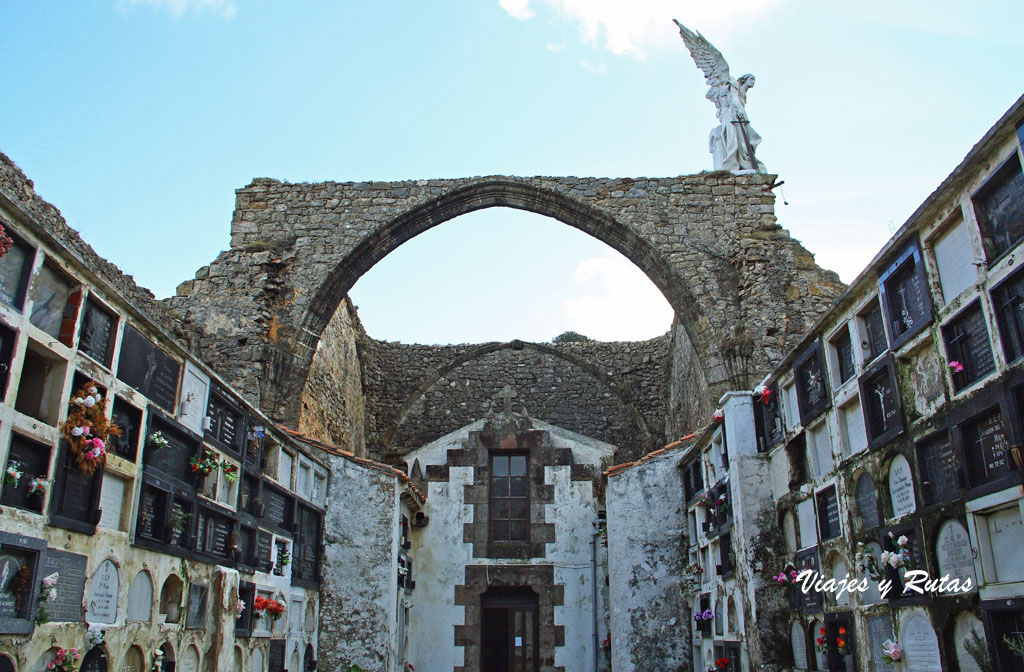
[92, 390]
[902, 541]
[78, 400]
[51, 596]
[89, 402]
[760, 389]
[77, 431]
[98, 397]
[885, 556]
[51, 580]
[895, 560]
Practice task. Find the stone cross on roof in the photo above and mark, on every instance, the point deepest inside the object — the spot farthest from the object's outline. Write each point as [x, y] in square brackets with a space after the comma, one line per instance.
[507, 394]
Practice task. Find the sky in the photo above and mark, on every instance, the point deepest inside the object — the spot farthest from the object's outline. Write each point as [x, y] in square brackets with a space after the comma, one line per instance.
[139, 118]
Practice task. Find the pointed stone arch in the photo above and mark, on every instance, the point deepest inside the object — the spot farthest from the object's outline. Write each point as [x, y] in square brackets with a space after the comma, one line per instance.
[742, 289]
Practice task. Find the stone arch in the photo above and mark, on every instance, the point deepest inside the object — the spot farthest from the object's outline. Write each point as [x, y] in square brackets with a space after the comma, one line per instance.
[742, 289]
[170, 599]
[256, 660]
[437, 374]
[140, 598]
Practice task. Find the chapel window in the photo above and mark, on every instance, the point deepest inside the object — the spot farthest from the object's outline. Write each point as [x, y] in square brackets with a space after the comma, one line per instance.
[510, 498]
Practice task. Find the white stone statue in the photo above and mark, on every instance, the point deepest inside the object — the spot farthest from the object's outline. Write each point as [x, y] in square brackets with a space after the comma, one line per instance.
[733, 142]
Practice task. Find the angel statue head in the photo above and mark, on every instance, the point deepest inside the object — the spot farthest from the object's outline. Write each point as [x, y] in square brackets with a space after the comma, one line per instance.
[733, 142]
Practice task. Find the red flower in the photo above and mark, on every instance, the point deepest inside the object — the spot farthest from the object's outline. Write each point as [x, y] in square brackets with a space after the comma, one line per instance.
[840, 642]
[821, 632]
[821, 641]
[842, 630]
[722, 663]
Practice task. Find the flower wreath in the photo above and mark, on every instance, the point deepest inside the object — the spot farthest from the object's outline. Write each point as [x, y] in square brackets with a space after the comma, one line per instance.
[87, 429]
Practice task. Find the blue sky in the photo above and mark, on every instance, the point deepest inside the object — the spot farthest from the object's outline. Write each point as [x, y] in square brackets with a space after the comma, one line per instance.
[140, 119]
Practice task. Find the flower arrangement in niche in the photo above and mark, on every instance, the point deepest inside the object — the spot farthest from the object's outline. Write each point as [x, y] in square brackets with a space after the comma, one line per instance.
[284, 558]
[87, 430]
[204, 464]
[47, 593]
[20, 584]
[891, 652]
[156, 441]
[66, 661]
[900, 559]
[722, 664]
[37, 486]
[706, 615]
[841, 642]
[787, 575]
[13, 473]
[956, 366]
[819, 643]
[240, 606]
[764, 394]
[718, 415]
[703, 500]
[275, 608]
[95, 635]
[692, 574]
[5, 242]
[158, 661]
[230, 471]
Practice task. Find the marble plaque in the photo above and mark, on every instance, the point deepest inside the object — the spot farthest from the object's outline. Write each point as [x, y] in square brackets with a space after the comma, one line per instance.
[799, 641]
[965, 624]
[867, 502]
[194, 387]
[189, 661]
[901, 487]
[808, 527]
[111, 501]
[195, 609]
[70, 569]
[953, 549]
[920, 645]
[140, 598]
[879, 630]
[102, 604]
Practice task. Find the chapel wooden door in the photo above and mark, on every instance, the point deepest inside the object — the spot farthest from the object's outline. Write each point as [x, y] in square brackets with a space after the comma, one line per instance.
[509, 631]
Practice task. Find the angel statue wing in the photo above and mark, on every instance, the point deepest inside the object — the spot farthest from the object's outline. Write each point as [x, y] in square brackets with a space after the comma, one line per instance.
[707, 58]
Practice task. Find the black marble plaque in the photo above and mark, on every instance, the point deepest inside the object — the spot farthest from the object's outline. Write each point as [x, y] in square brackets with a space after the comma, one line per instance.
[16, 584]
[828, 513]
[15, 269]
[276, 658]
[172, 459]
[1000, 208]
[97, 334]
[70, 583]
[880, 400]
[967, 343]
[279, 508]
[263, 548]
[768, 419]
[1008, 302]
[811, 386]
[151, 505]
[8, 338]
[34, 460]
[50, 292]
[148, 369]
[129, 419]
[219, 534]
[939, 468]
[844, 355]
[75, 492]
[875, 326]
[811, 601]
[307, 545]
[905, 295]
[225, 420]
[986, 449]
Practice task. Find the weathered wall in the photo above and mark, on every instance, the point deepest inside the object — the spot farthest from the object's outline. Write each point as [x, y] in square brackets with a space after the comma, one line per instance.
[613, 392]
[646, 554]
[359, 591]
[333, 405]
[744, 289]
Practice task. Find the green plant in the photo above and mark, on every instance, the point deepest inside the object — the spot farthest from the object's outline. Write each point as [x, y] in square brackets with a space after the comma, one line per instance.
[1015, 644]
[978, 650]
[571, 337]
[178, 518]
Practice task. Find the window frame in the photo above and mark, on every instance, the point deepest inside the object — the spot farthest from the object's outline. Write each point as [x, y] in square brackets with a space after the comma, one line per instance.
[492, 497]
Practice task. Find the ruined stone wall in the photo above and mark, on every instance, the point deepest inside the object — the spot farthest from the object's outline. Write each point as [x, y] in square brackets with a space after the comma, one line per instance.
[333, 405]
[689, 403]
[44, 219]
[610, 391]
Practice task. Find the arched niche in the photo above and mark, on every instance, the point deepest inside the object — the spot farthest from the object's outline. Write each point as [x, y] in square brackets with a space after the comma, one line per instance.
[95, 660]
[6, 664]
[310, 620]
[920, 644]
[45, 659]
[719, 618]
[819, 653]
[189, 660]
[170, 599]
[294, 662]
[732, 616]
[134, 660]
[309, 659]
[838, 570]
[872, 595]
[968, 627]
[167, 660]
[239, 662]
[256, 660]
[140, 598]
[955, 554]
[798, 639]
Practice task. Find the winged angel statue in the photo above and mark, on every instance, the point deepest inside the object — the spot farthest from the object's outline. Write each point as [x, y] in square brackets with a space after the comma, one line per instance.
[733, 141]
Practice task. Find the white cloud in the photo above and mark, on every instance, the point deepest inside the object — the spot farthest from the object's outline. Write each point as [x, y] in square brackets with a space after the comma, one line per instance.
[632, 28]
[517, 9]
[556, 47]
[596, 68]
[614, 301]
[177, 8]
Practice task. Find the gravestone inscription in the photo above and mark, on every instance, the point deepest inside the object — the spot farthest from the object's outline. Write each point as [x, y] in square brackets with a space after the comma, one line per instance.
[70, 568]
[901, 487]
[920, 645]
[102, 602]
[953, 549]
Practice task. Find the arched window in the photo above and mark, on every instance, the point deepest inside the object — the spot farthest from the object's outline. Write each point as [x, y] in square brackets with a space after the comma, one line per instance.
[170, 599]
[140, 598]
